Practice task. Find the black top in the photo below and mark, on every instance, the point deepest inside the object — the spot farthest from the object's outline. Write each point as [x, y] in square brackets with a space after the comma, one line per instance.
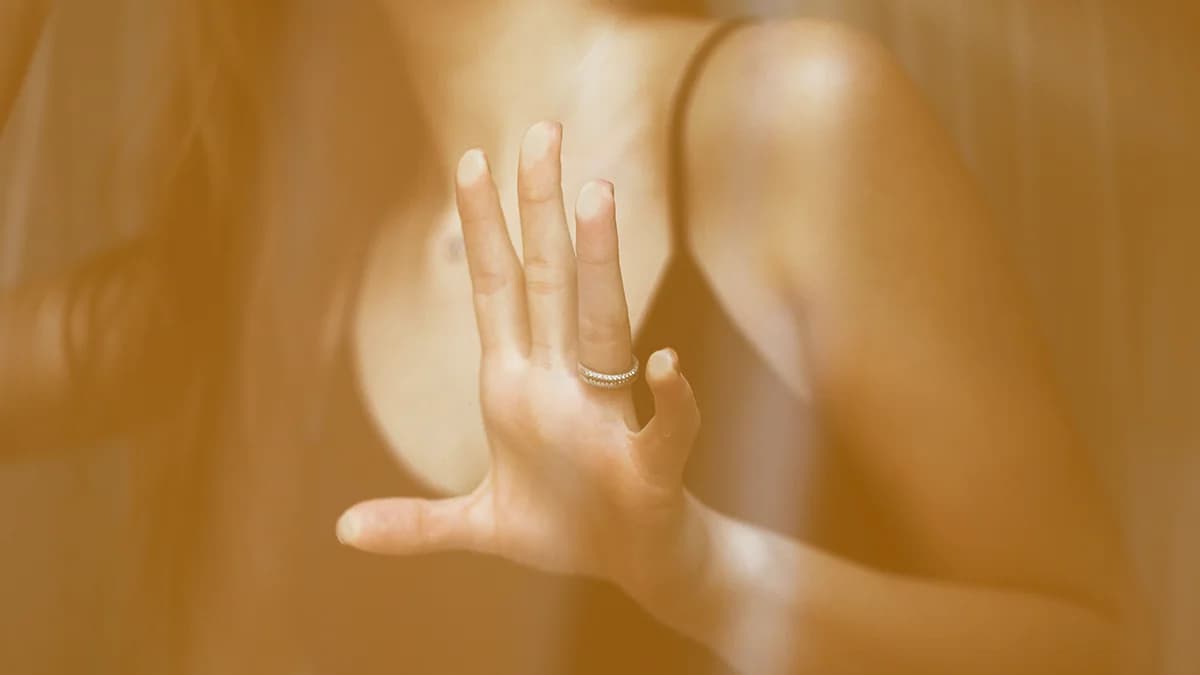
[462, 613]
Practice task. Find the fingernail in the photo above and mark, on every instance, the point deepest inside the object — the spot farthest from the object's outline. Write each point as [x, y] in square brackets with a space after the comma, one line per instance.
[594, 198]
[472, 166]
[347, 528]
[662, 363]
[540, 138]
[674, 359]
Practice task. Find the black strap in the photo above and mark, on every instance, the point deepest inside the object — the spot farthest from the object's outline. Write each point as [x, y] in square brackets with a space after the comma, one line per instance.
[677, 168]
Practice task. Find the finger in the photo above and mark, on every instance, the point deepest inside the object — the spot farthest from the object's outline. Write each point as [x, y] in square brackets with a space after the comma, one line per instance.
[662, 447]
[403, 526]
[549, 255]
[496, 277]
[604, 334]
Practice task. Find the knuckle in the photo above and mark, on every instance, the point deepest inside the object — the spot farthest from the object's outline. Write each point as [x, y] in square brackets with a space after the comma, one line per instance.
[538, 261]
[474, 219]
[543, 275]
[538, 193]
[541, 287]
[544, 354]
[500, 383]
[601, 257]
[500, 373]
[489, 282]
[502, 416]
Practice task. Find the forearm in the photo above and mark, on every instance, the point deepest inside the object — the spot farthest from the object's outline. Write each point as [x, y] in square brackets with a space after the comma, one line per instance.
[81, 353]
[20, 26]
[770, 604]
[35, 383]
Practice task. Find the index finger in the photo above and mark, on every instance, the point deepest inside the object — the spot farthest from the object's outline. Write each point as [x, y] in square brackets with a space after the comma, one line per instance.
[496, 279]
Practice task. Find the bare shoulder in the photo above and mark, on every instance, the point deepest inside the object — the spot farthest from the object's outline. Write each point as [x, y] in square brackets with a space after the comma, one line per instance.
[798, 64]
[779, 84]
[780, 126]
[811, 131]
[798, 79]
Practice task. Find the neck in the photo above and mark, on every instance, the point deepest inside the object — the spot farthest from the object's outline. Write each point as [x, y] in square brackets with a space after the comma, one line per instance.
[483, 70]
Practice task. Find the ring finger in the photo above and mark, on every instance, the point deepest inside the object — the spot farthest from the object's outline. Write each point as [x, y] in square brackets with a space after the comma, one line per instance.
[605, 343]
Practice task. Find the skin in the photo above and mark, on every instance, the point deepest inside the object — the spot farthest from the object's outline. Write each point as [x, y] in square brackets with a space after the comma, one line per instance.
[839, 230]
[23, 23]
[860, 224]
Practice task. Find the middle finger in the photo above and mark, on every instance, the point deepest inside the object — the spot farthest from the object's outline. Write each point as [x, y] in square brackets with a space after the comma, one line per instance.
[549, 256]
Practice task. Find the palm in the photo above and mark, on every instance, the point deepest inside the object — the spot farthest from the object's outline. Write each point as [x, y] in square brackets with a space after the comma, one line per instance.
[573, 486]
[564, 488]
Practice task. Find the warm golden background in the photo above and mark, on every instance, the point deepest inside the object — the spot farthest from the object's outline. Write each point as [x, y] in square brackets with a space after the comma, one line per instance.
[1080, 118]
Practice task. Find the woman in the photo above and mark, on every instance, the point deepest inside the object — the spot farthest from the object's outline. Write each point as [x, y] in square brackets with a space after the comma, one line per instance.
[884, 480]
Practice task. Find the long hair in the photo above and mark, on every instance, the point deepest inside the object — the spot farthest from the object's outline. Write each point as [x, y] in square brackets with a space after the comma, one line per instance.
[243, 298]
[213, 311]
[254, 272]
[185, 168]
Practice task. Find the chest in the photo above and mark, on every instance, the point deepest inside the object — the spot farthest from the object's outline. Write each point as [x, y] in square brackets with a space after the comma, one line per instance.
[414, 336]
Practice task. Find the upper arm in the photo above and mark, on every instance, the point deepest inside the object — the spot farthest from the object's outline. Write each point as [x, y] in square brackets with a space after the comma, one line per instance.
[85, 354]
[922, 356]
[21, 24]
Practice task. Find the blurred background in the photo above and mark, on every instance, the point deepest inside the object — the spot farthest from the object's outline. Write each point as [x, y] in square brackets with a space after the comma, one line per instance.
[1081, 122]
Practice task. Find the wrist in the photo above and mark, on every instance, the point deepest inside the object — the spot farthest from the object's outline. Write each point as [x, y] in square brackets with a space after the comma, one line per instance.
[739, 596]
[681, 578]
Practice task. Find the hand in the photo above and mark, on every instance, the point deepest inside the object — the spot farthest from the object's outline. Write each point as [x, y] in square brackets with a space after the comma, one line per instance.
[573, 487]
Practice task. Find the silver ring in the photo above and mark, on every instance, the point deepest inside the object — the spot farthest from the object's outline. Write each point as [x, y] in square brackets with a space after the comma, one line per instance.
[610, 380]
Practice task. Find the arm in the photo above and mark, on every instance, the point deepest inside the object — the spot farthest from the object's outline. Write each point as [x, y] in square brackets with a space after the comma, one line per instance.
[921, 360]
[769, 604]
[33, 372]
[80, 354]
[21, 24]
[926, 367]
[34, 379]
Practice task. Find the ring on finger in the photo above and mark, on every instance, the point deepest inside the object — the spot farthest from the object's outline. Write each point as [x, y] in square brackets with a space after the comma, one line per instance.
[596, 378]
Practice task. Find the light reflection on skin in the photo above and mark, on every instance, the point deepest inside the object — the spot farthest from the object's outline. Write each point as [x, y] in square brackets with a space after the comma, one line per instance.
[835, 231]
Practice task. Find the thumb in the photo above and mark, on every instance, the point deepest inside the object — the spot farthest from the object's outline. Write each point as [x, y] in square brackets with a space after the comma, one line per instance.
[662, 447]
[406, 526]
